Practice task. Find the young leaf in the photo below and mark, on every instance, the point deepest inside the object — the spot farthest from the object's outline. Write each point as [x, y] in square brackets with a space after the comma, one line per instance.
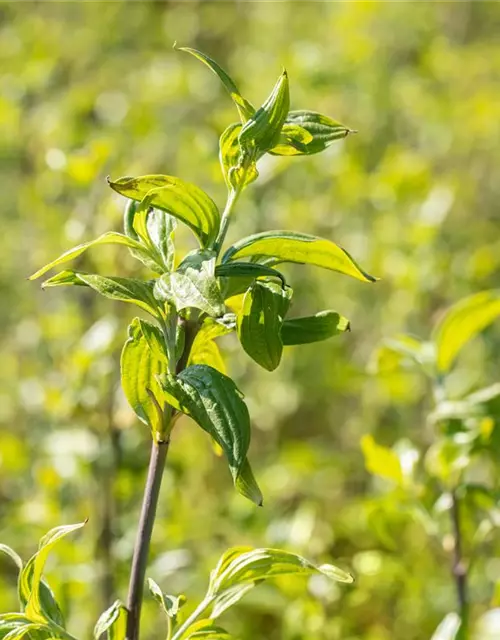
[160, 228]
[260, 320]
[192, 287]
[402, 351]
[169, 604]
[273, 247]
[232, 159]
[240, 567]
[321, 326]
[38, 608]
[140, 367]
[308, 132]
[262, 131]
[182, 200]
[205, 630]
[112, 622]
[214, 402]
[461, 323]
[107, 238]
[137, 292]
[245, 109]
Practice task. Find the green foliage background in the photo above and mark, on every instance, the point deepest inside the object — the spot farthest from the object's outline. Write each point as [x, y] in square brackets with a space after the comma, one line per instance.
[93, 89]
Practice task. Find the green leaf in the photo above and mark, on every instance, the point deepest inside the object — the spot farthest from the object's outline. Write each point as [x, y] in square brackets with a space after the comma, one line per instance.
[215, 403]
[273, 247]
[182, 200]
[321, 326]
[381, 461]
[204, 349]
[107, 238]
[160, 228]
[192, 286]
[206, 630]
[169, 604]
[12, 555]
[308, 132]
[40, 605]
[155, 339]
[33, 631]
[240, 567]
[140, 367]
[238, 170]
[461, 323]
[262, 131]
[113, 622]
[137, 292]
[12, 622]
[245, 109]
[260, 320]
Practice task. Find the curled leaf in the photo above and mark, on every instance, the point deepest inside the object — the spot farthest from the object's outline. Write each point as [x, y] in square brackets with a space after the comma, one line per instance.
[245, 109]
[182, 200]
[308, 132]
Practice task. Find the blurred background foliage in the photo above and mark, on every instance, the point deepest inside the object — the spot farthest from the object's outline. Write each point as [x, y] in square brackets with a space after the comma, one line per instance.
[92, 89]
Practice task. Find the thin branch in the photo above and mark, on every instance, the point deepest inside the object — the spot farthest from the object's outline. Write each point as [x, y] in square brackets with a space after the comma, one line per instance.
[141, 551]
[459, 568]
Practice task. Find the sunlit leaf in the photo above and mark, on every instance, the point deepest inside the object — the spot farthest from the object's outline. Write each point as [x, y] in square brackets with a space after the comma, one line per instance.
[273, 247]
[107, 238]
[38, 601]
[461, 323]
[204, 349]
[260, 320]
[182, 200]
[235, 172]
[321, 326]
[241, 566]
[308, 132]
[205, 630]
[262, 131]
[139, 370]
[245, 109]
[215, 403]
[381, 461]
[112, 622]
[137, 292]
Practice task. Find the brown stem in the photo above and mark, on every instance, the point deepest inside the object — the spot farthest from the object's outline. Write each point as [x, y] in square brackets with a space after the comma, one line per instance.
[459, 568]
[141, 551]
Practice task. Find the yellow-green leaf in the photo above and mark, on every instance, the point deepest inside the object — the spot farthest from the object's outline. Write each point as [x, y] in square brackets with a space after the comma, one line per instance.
[273, 247]
[461, 323]
[381, 461]
[139, 370]
[107, 238]
[308, 132]
[245, 109]
[182, 200]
